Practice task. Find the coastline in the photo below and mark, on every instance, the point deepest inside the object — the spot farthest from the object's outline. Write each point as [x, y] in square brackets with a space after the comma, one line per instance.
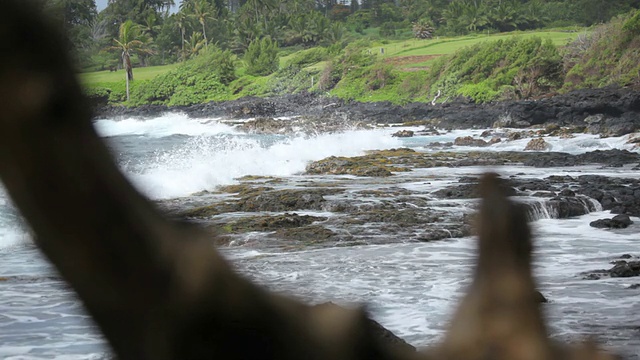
[605, 111]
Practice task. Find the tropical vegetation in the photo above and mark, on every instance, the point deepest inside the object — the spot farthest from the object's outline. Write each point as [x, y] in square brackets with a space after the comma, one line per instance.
[361, 49]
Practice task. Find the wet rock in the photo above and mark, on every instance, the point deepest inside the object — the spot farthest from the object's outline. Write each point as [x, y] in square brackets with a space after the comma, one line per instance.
[486, 133]
[515, 136]
[309, 235]
[570, 206]
[594, 119]
[531, 184]
[566, 135]
[539, 298]
[621, 268]
[434, 233]
[494, 140]
[264, 199]
[624, 219]
[616, 108]
[284, 200]
[593, 276]
[552, 129]
[266, 125]
[537, 144]
[615, 126]
[345, 166]
[403, 133]
[466, 191]
[544, 194]
[617, 222]
[633, 286]
[559, 207]
[613, 157]
[268, 223]
[378, 163]
[625, 269]
[620, 196]
[469, 141]
[567, 192]
[510, 122]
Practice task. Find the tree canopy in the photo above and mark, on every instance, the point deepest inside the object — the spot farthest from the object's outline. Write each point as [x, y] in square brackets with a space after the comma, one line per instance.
[234, 24]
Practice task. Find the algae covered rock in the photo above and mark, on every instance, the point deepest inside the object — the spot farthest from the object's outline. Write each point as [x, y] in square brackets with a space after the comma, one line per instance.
[469, 141]
[375, 164]
[537, 144]
[269, 222]
[403, 133]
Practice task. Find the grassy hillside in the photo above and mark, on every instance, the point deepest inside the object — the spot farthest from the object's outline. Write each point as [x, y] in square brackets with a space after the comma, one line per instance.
[360, 71]
[444, 46]
[609, 56]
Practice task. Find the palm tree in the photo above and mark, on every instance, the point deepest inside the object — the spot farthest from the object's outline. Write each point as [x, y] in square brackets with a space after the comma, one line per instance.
[181, 23]
[195, 44]
[505, 15]
[473, 15]
[263, 6]
[150, 25]
[453, 16]
[202, 11]
[129, 41]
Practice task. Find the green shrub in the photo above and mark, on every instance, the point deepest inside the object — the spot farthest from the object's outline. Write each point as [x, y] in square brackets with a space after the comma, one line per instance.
[97, 92]
[308, 57]
[379, 76]
[198, 80]
[261, 57]
[480, 92]
[116, 91]
[607, 56]
[413, 85]
[632, 24]
[530, 66]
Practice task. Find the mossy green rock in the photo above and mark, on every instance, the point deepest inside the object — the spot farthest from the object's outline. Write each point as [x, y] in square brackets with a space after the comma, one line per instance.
[269, 223]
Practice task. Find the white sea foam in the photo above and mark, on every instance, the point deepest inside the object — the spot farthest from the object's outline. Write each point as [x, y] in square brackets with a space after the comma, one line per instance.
[12, 232]
[206, 162]
[411, 288]
[580, 143]
[11, 236]
[165, 125]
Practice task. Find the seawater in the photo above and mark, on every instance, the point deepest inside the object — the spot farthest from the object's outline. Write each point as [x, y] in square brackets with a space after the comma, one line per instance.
[410, 288]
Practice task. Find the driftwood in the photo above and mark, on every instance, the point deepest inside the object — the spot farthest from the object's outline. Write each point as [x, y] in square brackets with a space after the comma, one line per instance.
[158, 290]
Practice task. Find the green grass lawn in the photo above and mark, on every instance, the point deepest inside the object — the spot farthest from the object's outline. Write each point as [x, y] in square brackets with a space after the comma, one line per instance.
[412, 47]
[445, 46]
[144, 73]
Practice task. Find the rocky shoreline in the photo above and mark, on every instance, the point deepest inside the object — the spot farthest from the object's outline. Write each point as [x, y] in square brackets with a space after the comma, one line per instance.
[383, 196]
[606, 111]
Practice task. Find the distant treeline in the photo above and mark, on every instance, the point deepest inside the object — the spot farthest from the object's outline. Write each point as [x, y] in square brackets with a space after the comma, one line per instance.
[233, 24]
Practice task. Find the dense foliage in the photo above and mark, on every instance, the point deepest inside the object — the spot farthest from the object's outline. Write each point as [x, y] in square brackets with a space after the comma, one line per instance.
[513, 68]
[607, 56]
[261, 57]
[234, 24]
[218, 65]
[198, 80]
